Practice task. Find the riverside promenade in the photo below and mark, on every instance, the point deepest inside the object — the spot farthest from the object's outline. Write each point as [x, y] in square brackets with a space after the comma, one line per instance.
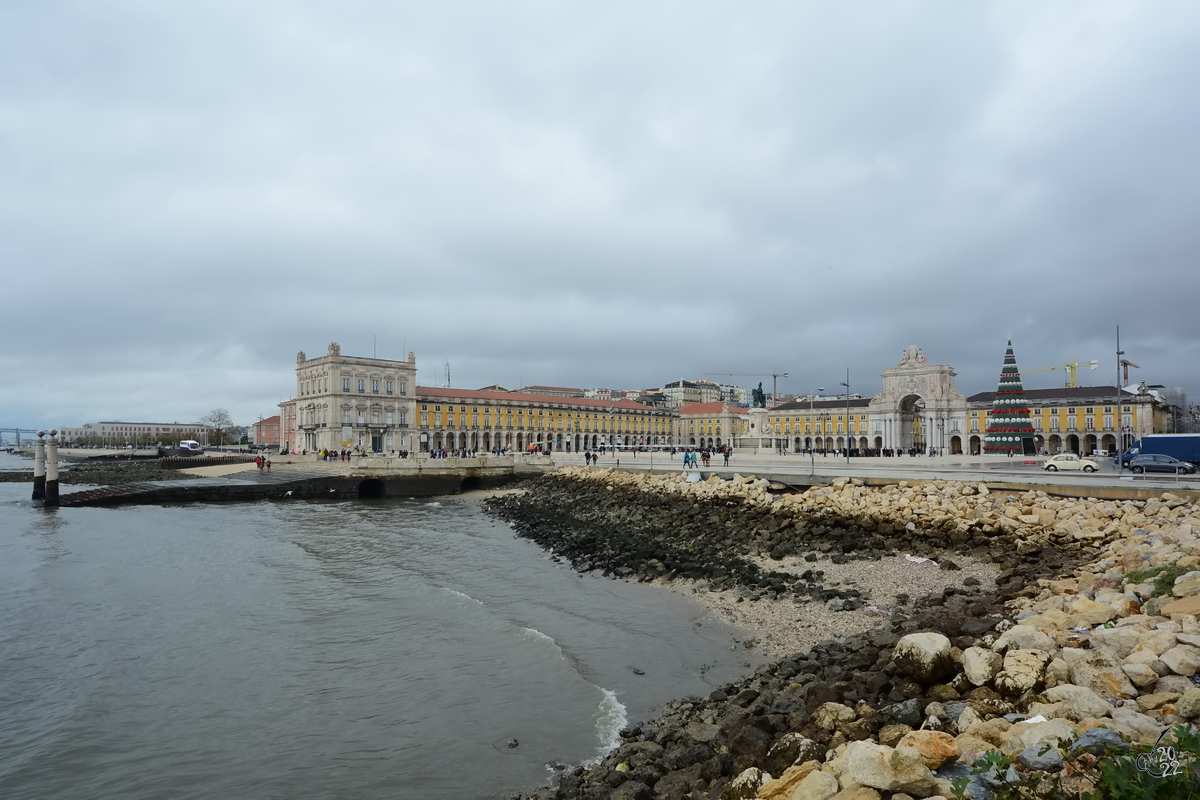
[1016, 473]
[310, 477]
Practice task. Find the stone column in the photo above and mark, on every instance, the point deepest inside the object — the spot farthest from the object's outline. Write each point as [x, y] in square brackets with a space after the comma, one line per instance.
[52, 469]
[39, 467]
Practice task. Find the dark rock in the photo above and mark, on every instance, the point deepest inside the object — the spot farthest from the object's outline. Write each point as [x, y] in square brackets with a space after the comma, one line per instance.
[679, 783]
[632, 790]
[907, 712]
[1041, 758]
[1097, 741]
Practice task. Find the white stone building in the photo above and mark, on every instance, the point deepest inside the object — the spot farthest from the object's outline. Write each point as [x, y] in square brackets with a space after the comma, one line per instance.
[348, 402]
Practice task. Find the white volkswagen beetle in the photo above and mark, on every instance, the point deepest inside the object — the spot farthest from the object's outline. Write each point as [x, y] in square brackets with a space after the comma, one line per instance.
[1066, 461]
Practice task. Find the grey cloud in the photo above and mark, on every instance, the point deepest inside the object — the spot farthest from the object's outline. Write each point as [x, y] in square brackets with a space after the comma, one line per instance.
[617, 195]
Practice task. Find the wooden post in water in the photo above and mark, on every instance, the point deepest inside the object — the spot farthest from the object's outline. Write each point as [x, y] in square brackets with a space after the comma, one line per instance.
[39, 467]
[52, 469]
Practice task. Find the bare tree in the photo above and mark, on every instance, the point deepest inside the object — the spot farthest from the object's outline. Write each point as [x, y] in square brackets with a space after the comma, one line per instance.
[220, 423]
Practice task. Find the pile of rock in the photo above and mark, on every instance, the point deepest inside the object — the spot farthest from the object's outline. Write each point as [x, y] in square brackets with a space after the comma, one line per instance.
[1106, 656]
[943, 512]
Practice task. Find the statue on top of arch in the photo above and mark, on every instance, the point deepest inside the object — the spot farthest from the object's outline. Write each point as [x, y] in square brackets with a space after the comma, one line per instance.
[913, 357]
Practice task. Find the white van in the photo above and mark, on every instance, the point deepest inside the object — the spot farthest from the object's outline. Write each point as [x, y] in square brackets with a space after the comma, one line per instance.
[189, 446]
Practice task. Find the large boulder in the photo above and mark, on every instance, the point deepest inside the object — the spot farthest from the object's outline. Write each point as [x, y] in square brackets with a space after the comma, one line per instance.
[935, 747]
[1188, 706]
[925, 657]
[745, 785]
[1026, 734]
[792, 749]
[830, 716]
[781, 788]
[981, 665]
[1024, 671]
[1023, 637]
[1141, 675]
[1086, 613]
[1078, 703]
[816, 785]
[1099, 671]
[1183, 660]
[900, 769]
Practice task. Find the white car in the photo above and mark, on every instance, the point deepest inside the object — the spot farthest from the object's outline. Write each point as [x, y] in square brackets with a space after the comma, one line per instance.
[1066, 461]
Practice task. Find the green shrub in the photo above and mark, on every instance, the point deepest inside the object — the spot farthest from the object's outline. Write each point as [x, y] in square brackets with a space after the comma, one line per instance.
[1134, 774]
[1164, 577]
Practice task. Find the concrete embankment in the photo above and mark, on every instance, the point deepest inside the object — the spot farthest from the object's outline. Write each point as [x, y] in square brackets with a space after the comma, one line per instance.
[1089, 644]
[228, 481]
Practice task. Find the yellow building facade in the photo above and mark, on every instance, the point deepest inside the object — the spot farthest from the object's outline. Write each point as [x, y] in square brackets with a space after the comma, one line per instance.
[1083, 419]
[711, 425]
[466, 419]
[822, 425]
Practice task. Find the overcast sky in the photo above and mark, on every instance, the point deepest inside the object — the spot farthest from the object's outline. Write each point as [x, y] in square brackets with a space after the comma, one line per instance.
[601, 194]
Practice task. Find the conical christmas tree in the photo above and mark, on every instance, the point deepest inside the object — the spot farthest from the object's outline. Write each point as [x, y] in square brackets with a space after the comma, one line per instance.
[1009, 429]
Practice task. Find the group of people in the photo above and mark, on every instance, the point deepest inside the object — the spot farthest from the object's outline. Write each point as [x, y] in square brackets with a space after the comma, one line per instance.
[692, 458]
[462, 452]
[262, 462]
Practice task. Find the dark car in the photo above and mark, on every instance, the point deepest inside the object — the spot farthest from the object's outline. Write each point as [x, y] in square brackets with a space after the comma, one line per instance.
[1154, 462]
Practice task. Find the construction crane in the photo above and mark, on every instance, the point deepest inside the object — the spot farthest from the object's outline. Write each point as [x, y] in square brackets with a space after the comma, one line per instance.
[774, 376]
[1125, 365]
[1072, 370]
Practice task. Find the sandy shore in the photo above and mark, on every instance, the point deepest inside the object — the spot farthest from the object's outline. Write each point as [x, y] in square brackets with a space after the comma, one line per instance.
[784, 627]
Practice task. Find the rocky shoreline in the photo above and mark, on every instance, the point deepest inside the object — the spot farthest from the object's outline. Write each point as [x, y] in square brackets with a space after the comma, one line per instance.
[1087, 639]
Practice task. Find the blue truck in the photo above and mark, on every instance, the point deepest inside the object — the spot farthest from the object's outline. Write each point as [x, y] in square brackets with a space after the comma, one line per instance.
[1184, 446]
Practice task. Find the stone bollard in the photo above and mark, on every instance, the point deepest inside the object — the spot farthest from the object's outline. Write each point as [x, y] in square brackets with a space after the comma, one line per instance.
[52, 469]
[39, 467]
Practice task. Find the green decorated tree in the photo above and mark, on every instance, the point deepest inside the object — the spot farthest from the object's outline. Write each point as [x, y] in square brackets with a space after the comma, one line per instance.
[1009, 428]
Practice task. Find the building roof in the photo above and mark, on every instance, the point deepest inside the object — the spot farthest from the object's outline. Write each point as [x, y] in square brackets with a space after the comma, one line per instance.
[269, 421]
[495, 387]
[430, 392]
[710, 408]
[1061, 393]
[122, 422]
[533, 389]
[803, 405]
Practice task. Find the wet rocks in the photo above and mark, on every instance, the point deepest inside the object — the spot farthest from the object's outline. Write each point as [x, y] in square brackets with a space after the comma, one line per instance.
[899, 769]
[925, 657]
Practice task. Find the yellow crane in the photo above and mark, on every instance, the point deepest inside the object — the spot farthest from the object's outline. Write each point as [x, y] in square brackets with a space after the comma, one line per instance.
[1072, 370]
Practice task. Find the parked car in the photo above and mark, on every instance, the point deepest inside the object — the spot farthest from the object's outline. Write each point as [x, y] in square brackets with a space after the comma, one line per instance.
[1069, 461]
[1157, 462]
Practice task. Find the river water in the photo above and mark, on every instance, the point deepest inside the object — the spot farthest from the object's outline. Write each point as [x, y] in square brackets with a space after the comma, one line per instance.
[342, 649]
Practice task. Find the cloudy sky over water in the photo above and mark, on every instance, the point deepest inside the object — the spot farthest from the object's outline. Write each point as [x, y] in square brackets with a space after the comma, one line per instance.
[615, 194]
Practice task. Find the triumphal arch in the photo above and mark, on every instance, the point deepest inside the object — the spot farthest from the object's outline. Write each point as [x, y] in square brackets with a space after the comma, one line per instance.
[919, 407]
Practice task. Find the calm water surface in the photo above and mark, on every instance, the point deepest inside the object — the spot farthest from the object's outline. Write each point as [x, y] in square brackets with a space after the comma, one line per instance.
[347, 649]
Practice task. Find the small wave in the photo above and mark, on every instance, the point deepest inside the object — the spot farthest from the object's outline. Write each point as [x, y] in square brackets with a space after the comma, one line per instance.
[610, 721]
[462, 596]
[434, 503]
[534, 633]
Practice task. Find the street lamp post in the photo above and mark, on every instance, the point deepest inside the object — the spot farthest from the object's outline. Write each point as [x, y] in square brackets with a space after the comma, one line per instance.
[812, 450]
[1119, 420]
[846, 383]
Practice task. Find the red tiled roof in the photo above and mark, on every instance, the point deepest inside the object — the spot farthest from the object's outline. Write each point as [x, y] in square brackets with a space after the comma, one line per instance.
[432, 393]
[269, 421]
[710, 408]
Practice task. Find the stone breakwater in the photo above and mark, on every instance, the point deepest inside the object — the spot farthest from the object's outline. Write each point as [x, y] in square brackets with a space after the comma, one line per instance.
[1090, 640]
[104, 473]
